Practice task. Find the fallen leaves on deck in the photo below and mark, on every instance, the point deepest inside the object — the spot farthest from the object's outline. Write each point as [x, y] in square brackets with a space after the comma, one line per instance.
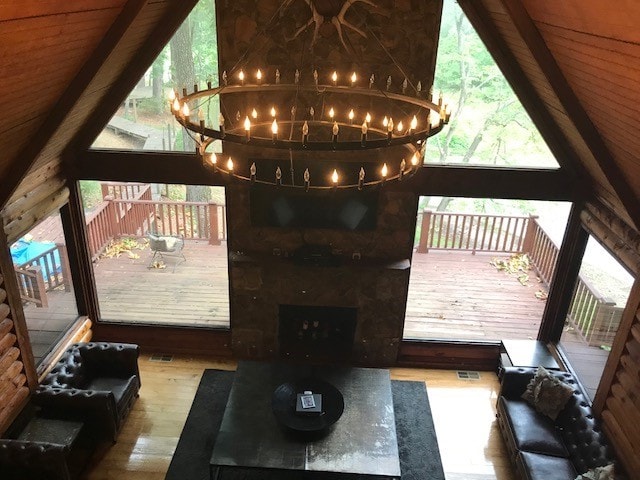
[519, 265]
[541, 294]
[515, 264]
[123, 245]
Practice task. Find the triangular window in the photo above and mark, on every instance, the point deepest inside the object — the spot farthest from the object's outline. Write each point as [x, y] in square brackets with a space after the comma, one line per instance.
[143, 121]
[489, 125]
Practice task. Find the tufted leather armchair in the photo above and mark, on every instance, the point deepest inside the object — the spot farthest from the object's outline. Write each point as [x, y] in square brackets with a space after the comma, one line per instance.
[540, 448]
[44, 448]
[99, 381]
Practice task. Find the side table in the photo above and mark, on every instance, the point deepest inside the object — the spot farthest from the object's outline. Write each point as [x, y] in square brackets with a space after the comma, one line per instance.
[525, 353]
[45, 448]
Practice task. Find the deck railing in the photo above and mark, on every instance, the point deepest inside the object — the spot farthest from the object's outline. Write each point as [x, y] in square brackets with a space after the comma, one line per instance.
[102, 222]
[126, 191]
[192, 220]
[31, 286]
[100, 229]
[595, 318]
[472, 232]
[43, 273]
[128, 210]
[133, 213]
[543, 252]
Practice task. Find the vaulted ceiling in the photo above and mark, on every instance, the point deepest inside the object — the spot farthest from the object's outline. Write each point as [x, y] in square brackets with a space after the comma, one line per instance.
[575, 65]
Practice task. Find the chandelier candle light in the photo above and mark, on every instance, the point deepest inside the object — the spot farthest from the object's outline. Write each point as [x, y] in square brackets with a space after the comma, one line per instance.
[335, 129]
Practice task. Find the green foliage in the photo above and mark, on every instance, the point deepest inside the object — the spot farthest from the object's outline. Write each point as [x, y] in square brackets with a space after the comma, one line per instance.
[489, 125]
[177, 193]
[204, 40]
[204, 43]
[151, 105]
[178, 143]
[458, 145]
[91, 193]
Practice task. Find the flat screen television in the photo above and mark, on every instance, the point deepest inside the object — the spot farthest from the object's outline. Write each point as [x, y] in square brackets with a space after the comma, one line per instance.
[334, 210]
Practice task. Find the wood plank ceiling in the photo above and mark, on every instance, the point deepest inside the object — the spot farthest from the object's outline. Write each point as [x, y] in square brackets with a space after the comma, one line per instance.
[597, 47]
[94, 52]
[44, 46]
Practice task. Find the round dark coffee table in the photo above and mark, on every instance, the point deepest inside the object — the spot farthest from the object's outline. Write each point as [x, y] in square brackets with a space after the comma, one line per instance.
[284, 406]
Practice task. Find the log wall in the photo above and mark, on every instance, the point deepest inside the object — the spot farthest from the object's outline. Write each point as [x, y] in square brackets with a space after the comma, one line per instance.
[42, 193]
[620, 408]
[13, 379]
[617, 400]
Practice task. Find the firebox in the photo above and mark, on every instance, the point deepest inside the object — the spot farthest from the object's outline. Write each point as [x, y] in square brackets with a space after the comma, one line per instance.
[314, 333]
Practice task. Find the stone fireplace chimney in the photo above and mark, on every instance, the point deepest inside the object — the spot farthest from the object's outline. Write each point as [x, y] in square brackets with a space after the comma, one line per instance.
[354, 305]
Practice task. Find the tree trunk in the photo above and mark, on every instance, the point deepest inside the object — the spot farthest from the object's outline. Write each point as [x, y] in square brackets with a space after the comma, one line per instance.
[198, 193]
[157, 69]
[184, 77]
[183, 70]
[444, 203]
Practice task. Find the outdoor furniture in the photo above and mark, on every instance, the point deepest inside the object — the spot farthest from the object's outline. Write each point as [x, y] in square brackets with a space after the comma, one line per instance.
[98, 381]
[166, 246]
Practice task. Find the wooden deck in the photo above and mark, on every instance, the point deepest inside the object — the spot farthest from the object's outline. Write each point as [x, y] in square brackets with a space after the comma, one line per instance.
[452, 295]
[195, 293]
[457, 295]
[460, 295]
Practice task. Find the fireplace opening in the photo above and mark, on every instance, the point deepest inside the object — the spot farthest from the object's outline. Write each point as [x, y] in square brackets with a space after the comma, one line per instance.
[316, 333]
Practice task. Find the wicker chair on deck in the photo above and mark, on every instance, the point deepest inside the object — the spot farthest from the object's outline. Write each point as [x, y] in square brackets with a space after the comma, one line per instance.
[166, 246]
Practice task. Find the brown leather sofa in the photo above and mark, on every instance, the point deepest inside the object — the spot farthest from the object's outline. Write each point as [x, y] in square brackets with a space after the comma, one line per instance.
[540, 448]
[98, 381]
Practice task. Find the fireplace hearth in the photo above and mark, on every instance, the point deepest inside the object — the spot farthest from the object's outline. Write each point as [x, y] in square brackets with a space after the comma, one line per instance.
[319, 333]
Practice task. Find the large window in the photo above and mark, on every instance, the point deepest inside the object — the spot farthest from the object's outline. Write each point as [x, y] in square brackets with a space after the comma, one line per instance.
[599, 297]
[143, 120]
[42, 271]
[159, 253]
[488, 125]
[482, 267]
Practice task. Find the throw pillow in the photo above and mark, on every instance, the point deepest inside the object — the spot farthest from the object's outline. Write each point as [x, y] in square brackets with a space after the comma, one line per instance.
[547, 394]
[599, 473]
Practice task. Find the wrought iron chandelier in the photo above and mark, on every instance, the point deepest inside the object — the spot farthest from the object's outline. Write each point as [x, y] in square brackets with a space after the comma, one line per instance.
[329, 127]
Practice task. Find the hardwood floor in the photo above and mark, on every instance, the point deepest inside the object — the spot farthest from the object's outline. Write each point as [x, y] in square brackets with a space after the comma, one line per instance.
[463, 410]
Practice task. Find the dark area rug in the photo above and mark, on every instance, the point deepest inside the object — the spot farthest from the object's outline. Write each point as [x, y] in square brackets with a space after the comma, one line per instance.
[417, 442]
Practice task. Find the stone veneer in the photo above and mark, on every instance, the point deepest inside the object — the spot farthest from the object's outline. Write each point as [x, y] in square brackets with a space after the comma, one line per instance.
[376, 284]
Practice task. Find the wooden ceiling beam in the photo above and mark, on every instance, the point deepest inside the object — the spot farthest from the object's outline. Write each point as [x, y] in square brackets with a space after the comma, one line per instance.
[524, 90]
[27, 156]
[119, 90]
[145, 167]
[441, 180]
[585, 127]
[496, 182]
